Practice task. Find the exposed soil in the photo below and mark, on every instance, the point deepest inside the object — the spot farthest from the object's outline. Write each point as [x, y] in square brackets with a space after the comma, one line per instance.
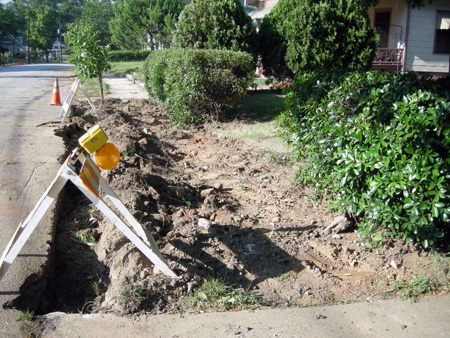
[264, 235]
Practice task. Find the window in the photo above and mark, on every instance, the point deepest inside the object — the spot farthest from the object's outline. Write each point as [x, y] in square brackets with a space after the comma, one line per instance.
[442, 34]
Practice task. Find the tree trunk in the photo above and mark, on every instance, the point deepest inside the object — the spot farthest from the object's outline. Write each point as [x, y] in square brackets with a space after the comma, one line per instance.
[100, 80]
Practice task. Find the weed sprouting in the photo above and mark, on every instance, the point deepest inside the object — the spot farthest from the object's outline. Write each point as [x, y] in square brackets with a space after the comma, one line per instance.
[414, 288]
[83, 236]
[99, 288]
[243, 188]
[133, 295]
[27, 315]
[279, 158]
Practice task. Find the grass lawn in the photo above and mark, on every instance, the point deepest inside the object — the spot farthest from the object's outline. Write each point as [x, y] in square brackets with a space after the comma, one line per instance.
[92, 89]
[255, 120]
[122, 67]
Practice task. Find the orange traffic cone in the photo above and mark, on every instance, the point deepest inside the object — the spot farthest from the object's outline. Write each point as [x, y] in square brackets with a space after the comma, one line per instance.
[56, 100]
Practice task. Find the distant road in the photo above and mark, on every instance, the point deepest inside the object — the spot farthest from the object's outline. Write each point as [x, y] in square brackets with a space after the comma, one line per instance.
[28, 163]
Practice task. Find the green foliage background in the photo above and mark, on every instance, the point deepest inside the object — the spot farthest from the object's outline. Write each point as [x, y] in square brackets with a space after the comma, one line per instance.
[379, 145]
[304, 35]
[141, 23]
[215, 24]
[128, 55]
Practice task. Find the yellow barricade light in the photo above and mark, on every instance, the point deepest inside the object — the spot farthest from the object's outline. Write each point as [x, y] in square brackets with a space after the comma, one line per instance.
[107, 156]
[93, 139]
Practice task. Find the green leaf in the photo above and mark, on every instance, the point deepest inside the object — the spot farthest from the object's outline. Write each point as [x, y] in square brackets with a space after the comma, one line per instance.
[408, 203]
[434, 211]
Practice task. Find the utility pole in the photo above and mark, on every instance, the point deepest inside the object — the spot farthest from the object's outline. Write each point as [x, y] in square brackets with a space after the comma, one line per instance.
[60, 44]
[29, 29]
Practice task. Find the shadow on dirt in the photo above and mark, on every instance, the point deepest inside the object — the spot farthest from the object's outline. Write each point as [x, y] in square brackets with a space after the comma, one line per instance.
[256, 257]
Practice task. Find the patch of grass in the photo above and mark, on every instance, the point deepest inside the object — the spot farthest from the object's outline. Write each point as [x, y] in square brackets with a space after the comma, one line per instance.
[261, 107]
[254, 118]
[279, 158]
[243, 188]
[126, 67]
[286, 277]
[254, 131]
[428, 282]
[214, 293]
[419, 285]
[92, 89]
[259, 81]
[133, 295]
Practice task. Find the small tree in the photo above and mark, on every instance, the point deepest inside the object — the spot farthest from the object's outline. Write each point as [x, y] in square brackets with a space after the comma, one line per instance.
[215, 24]
[310, 35]
[90, 59]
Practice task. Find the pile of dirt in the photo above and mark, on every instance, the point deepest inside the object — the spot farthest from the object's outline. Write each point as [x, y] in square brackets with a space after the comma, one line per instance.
[217, 207]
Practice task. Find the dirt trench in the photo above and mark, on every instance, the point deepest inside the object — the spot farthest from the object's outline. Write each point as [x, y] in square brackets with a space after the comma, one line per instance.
[258, 232]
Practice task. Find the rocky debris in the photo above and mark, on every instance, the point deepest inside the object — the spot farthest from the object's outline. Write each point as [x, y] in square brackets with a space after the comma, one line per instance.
[340, 224]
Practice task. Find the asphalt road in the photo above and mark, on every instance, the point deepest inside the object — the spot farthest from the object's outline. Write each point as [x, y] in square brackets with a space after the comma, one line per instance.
[28, 163]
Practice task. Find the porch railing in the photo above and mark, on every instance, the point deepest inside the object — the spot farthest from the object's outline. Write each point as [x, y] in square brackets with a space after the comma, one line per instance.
[389, 59]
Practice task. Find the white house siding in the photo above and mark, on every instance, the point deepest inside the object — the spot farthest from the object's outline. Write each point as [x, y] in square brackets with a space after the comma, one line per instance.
[419, 54]
[397, 29]
[422, 22]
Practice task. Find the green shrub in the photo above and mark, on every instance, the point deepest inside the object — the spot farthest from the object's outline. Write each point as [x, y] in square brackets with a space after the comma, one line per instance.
[305, 35]
[215, 24]
[128, 55]
[379, 145]
[197, 85]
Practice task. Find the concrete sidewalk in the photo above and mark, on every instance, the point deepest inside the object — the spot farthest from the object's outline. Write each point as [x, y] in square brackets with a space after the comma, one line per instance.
[390, 318]
[29, 155]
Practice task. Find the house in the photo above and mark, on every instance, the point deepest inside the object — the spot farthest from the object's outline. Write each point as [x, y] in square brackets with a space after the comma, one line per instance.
[262, 9]
[411, 39]
[57, 48]
[13, 44]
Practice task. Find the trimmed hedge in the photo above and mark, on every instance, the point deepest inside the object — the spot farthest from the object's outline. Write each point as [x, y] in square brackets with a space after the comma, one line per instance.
[128, 55]
[198, 85]
[379, 144]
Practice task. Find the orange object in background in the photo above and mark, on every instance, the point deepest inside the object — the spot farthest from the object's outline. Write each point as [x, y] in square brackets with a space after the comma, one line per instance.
[56, 100]
[107, 156]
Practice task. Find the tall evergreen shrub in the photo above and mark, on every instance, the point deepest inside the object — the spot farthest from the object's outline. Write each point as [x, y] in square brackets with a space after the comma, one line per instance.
[305, 35]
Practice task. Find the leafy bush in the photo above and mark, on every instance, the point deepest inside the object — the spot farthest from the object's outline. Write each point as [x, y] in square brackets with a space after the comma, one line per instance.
[305, 35]
[379, 144]
[128, 55]
[215, 24]
[196, 85]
